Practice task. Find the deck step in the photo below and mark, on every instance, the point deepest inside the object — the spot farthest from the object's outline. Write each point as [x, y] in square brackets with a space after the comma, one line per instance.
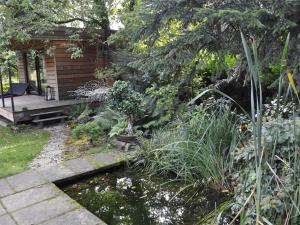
[46, 113]
[49, 119]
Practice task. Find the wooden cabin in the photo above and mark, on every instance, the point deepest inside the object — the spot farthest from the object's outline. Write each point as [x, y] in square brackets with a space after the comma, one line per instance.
[46, 65]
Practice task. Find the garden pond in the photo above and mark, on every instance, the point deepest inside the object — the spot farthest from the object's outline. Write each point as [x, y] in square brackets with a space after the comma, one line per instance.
[126, 197]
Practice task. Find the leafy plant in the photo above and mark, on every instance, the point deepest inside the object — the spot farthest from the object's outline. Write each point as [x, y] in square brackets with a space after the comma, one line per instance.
[113, 72]
[119, 128]
[93, 130]
[123, 98]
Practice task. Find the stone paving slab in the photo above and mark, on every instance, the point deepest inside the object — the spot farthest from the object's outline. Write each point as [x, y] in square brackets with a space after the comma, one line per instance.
[77, 217]
[7, 220]
[57, 172]
[29, 197]
[2, 210]
[5, 189]
[26, 180]
[80, 165]
[44, 211]
[102, 160]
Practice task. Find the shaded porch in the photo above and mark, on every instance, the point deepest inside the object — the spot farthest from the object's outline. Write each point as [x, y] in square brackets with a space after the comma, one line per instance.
[27, 105]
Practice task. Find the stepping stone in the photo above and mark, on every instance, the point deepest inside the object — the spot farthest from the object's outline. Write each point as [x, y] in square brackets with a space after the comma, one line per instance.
[2, 210]
[56, 173]
[26, 180]
[6, 220]
[80, 166]
[45, 211]
[78, 217]
[5, 189]
[29, 197]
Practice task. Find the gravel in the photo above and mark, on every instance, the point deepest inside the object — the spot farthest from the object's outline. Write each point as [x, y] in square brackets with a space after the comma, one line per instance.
[53, 151]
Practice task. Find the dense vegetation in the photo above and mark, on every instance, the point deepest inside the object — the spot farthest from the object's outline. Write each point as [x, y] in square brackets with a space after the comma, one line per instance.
[237, 60]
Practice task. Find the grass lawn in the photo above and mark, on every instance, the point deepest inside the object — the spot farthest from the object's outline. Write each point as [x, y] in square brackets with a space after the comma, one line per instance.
[18, 149]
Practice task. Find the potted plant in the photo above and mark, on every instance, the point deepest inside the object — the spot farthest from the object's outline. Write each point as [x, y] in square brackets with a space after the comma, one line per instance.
[123, 98]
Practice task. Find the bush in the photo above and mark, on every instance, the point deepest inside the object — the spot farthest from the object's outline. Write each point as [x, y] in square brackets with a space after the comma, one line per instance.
[94, 130]
[119, 128]
[197, 146]
[280, 172]
[124, 99]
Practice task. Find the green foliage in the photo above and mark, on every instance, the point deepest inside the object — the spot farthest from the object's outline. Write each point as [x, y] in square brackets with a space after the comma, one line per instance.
[280, 173]
[113, 72]
[95, 127]
[92, 129]
[124, 99]
[180, 42]
[196, 147]
[80, 112]
[119, 128]
[164, 100]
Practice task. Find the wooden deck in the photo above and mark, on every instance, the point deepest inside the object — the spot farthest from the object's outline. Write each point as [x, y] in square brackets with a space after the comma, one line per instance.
[30, 104]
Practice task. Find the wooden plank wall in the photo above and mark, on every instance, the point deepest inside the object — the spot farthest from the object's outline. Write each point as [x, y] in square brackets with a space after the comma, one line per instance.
[72, 73]
[51, 74]
[21, 68]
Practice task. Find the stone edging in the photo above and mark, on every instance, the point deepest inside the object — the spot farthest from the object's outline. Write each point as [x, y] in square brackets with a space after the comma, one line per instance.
[31, 197]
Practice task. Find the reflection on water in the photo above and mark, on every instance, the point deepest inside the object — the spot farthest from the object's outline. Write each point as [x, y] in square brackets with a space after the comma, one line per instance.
[124, 197]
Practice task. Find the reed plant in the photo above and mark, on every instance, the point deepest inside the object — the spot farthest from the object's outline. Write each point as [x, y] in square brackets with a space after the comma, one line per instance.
[267, 168]
[195, 148]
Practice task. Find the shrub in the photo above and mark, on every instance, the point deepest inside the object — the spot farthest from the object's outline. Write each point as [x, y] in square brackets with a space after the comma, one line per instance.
[197, 146]
[124, 99]
[280, 171]
[119, 128]
[93, 130]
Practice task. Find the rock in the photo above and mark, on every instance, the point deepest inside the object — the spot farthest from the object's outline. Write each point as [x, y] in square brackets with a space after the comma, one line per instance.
[124, 183]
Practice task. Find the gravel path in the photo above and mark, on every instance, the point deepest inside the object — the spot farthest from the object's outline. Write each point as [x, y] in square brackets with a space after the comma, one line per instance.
[53, 152]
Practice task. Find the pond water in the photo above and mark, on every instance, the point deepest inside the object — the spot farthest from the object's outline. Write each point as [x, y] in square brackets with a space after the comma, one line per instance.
[126, 197]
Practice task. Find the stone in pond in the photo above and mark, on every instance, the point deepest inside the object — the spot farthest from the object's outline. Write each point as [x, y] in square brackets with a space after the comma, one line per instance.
[124, 183]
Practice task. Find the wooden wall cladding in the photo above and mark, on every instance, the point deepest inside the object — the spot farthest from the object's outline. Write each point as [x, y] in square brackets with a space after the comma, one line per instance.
[51, 74]
[21, 69]
[72, 73]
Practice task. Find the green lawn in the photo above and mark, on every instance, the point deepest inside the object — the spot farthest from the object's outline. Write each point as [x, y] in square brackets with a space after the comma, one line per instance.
[18, 149]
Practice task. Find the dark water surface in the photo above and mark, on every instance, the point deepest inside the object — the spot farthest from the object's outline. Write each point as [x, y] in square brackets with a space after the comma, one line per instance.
[126, 197]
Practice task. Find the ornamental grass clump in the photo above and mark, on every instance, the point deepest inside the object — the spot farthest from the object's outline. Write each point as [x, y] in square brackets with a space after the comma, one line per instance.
[195, 148]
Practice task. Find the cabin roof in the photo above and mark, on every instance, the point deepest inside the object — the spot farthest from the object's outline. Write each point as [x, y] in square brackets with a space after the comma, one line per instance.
[39, 40]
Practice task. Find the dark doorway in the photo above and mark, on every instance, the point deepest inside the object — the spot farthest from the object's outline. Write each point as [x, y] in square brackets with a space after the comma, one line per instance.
[35, 75]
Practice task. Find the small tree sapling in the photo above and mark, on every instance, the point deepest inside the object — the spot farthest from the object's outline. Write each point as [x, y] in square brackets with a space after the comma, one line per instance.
[123, 98]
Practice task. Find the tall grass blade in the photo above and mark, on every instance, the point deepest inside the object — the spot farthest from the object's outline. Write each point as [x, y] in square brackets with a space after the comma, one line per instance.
[256, 114]
[293, 85]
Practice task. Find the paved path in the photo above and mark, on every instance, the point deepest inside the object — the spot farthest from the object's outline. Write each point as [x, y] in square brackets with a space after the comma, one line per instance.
[31, 198]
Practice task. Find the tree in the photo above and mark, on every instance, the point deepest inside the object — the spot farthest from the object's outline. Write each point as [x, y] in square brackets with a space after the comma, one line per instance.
[124, 99]
[173, 41]
[20, 19]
